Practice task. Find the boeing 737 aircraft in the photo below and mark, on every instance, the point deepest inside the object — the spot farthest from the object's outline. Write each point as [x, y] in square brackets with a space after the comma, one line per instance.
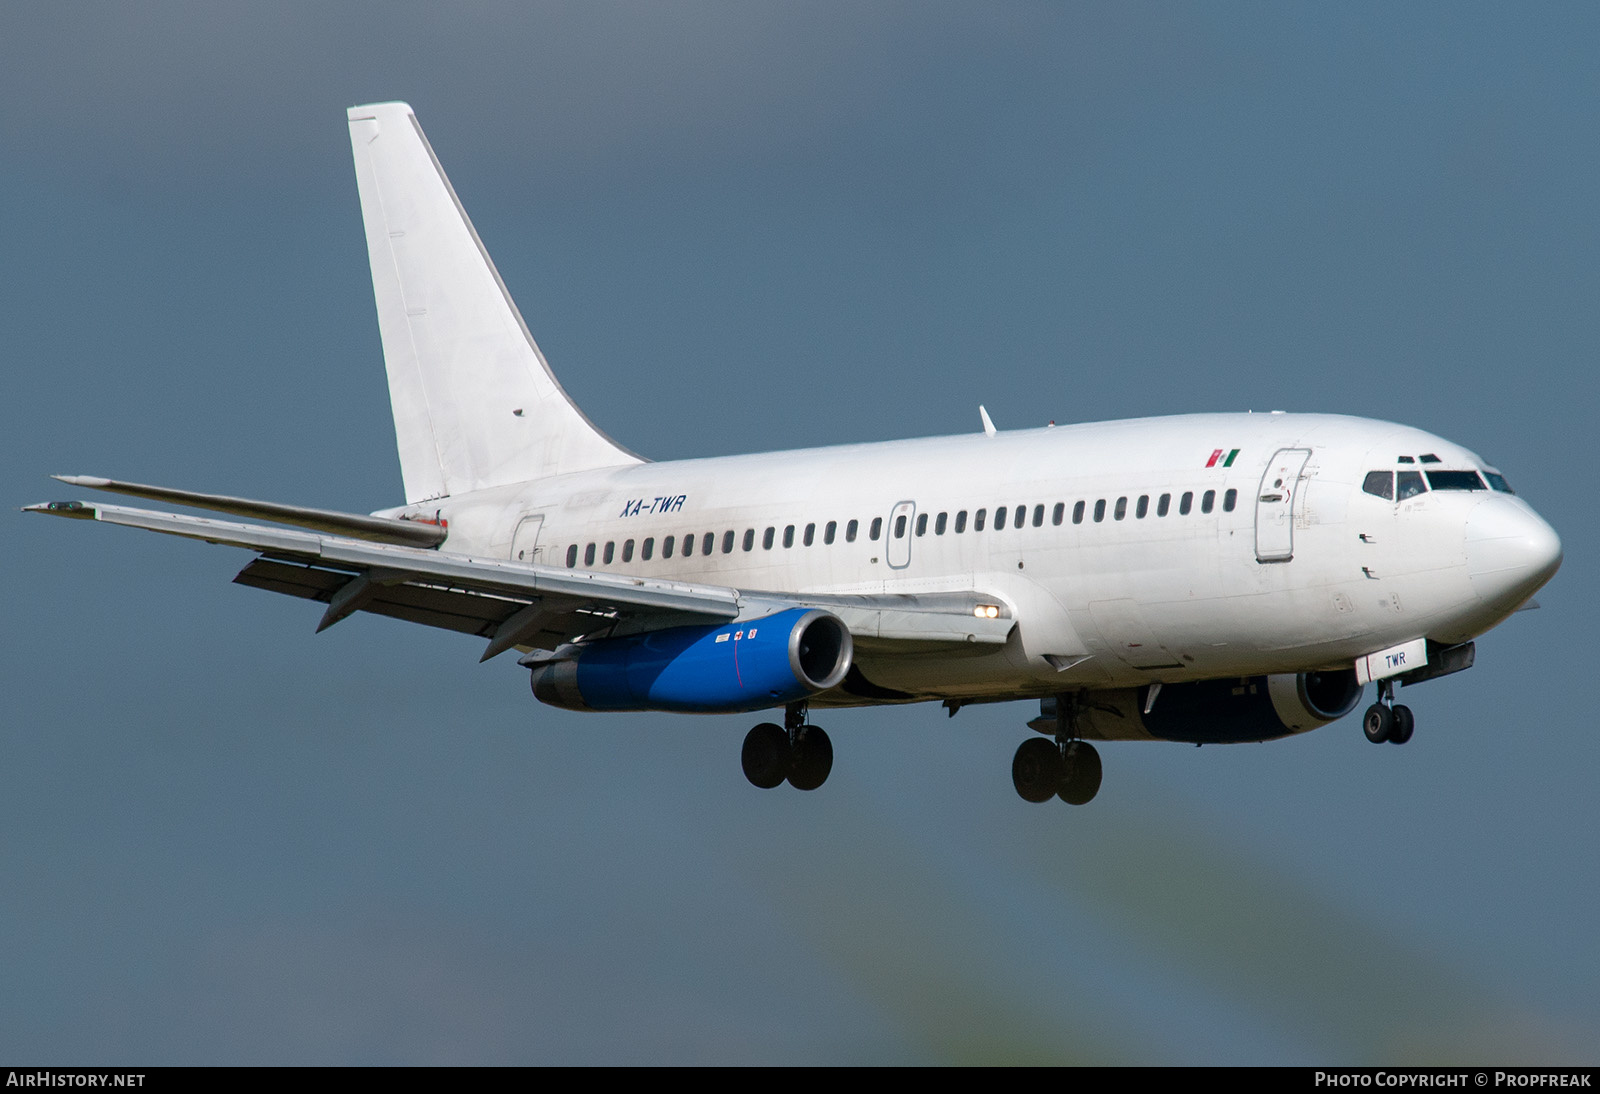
[1203, 578]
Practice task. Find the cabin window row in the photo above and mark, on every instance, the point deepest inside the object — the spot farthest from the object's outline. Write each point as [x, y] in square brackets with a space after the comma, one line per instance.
[708, 542]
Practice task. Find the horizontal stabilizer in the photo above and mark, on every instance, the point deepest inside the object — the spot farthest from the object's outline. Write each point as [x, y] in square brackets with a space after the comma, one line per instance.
[411, 533]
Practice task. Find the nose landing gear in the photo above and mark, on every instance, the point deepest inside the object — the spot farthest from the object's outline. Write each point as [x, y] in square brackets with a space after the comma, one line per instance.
[800, 753]
[1386, 721]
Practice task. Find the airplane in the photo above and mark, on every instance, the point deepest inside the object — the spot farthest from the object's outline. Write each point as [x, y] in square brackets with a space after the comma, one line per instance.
[1203, 578]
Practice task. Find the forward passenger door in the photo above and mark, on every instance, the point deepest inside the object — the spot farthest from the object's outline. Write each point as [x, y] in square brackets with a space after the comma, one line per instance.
[1275, 504]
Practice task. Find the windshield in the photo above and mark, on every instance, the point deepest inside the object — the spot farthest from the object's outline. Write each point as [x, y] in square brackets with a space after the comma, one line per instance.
[1454, 480]
[1498, 482]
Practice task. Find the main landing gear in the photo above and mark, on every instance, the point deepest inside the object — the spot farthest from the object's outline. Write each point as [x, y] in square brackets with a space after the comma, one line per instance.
[794, 751]
[1068, 770]
[1384, 721]
[1064, 768]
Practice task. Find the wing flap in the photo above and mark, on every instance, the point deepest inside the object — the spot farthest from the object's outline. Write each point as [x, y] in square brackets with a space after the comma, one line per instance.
[454, 609]
[967, 617]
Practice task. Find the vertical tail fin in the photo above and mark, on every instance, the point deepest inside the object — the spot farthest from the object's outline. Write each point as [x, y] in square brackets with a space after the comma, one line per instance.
[475, 404]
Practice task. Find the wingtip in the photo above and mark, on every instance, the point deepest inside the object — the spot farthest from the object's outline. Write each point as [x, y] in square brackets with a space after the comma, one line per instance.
[64, 509]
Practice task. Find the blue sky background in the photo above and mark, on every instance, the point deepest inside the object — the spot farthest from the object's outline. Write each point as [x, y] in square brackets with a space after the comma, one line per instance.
[735, 228]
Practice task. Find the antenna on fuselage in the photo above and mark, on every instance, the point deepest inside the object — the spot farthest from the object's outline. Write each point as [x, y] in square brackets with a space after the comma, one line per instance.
[988, 423]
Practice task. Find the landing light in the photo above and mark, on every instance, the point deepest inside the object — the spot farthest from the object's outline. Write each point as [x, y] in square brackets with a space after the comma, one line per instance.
[987, 611]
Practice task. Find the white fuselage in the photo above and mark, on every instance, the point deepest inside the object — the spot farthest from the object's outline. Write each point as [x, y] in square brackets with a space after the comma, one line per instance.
[1279, 571]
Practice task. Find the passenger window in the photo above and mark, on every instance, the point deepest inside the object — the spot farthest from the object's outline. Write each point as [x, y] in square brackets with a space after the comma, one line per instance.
[611, 552]
[811, 534]
[1022, 511]
[1229, 500]
[999, 518]
[766, 539]
[1409, 485]
[647, 549]
[922, 523]
[827, 533]
[1058, 512]
[749, 539]
[1453, 480]
[1143, 508]
[1038, 515]
[1380, 484]
[939, 523]
[850, 531]
[788, 535]
[1122, 508]
[627, 551]
[977, 520]
[572, 556]
[1100, 510]
[1208, 501]
[961, 522]
[1164, 505]
[1077, 513]
[671, 541]
[1186, 503]
[900, 527]
[727, 542]
[876, 530]
[588, 555]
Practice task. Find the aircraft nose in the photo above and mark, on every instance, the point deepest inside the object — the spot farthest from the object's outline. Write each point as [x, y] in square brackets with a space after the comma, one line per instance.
[1511, 551]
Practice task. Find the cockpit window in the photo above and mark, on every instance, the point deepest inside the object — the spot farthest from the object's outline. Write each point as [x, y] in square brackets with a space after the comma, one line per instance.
[1410, 485]
[1380, 484]
[1454, 480]
[1498, 482]
[1406, 459]
[1427, 457]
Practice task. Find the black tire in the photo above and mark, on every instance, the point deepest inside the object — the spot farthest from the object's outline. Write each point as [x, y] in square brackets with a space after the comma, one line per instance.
[1404, 725]
[1036, 770]
[1378, 723]
[1080, 778]
[766, 756]
[813, 759]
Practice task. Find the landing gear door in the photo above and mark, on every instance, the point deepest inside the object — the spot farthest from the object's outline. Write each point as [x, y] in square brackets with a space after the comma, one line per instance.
[1275, 502]
[525, 544]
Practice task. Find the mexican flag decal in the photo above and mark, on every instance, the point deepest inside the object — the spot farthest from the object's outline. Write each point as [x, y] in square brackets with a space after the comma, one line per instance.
[1227, 461]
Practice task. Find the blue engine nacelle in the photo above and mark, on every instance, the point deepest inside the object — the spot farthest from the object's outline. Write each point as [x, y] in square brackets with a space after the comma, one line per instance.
[721, 669]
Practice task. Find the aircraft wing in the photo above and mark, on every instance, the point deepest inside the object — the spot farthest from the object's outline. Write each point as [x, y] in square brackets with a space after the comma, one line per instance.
[520, 604]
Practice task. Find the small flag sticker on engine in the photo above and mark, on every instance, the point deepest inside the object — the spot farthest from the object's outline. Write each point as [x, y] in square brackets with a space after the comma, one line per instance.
[1218, 454]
